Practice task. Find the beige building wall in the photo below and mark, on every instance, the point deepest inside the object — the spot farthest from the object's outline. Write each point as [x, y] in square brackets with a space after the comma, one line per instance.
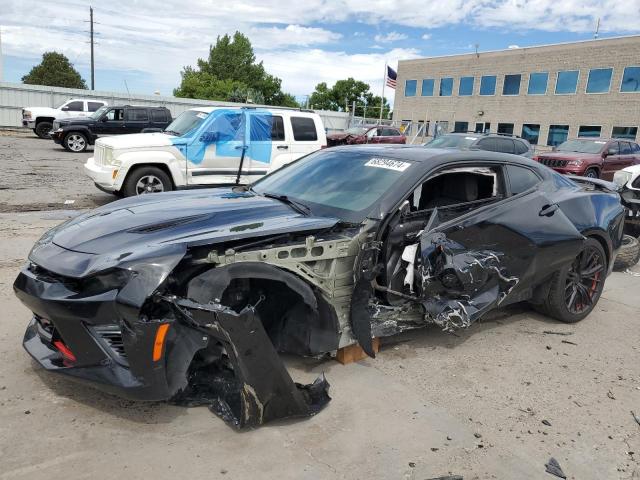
[605, 109]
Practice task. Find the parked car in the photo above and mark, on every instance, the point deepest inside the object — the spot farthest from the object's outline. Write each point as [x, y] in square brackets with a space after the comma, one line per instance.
[76, 134]
[492, 142]
[206, 146]
[366, 134]
[191, 295]
[40, 119]
[592, 157]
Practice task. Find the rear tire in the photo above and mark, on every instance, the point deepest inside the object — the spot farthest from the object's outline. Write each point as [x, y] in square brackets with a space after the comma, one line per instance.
[575, 289]
[591, 173]
[43, 128]
[145, 180]
[628, 255]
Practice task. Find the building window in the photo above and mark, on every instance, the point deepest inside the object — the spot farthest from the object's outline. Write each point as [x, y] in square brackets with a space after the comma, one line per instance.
[557, 134]
[630, 80]
[599, 80]
[531, 133]
[589, 131]
[427, 87]
[479, 127]
[410, 88]
[466, 86]
[538, 83]
[506, 128]
[567, 82]
[511, 84]
[461, 127]
[624, 132]
[446, 87]
[488, 85]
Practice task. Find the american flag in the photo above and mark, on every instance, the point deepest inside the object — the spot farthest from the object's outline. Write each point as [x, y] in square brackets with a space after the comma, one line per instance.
[391, 77]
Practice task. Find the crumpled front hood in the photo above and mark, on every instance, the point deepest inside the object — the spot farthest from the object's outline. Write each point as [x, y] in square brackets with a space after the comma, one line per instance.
[138, 140]
[189, 217]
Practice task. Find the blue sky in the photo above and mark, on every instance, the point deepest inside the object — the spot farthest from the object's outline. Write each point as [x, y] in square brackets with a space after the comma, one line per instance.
[146, 42]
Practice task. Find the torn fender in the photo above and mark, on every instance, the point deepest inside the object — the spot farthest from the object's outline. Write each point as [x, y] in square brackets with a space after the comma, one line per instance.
[249, 385]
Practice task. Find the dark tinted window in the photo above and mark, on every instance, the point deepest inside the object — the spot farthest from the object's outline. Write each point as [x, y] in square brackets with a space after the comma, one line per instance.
[635, 148]
[446, 86]
[630, 80]
[427, 87]
[487, 144]
[466, 86]
[511, 84]
[410, 88]
[567, 82]
[613, 148]
[557, 134]
[625, 148]
[136, 114]
[504, 145]
[521, 179]
[531, 132]
[75, 106]
[93, 106]
[589, 131]
[538, 83]
[460, 127]
[277, 128]
[521, 147]
[390, 132]
[488, 85]
[625, 132]
[304, 129]
[505, 128]
[159, 115]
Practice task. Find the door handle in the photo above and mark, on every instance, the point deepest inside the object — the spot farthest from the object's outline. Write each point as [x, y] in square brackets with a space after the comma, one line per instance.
[241, 147]
[548, 210]
[283, 147]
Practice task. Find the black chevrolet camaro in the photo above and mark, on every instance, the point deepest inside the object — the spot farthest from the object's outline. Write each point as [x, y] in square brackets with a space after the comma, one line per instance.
[189, 296]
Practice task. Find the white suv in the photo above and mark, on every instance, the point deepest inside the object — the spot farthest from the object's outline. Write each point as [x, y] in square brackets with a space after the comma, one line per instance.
[206, 146]
[40, 119]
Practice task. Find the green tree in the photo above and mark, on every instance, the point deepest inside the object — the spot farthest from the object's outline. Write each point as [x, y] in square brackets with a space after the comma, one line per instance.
[231, 73]
[55, 70]
[341, 96]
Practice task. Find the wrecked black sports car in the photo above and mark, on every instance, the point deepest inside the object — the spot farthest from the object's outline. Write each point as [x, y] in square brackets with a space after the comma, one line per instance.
[190, 295]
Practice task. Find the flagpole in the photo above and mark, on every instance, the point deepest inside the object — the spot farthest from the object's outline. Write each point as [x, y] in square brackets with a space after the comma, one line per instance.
[384, 81]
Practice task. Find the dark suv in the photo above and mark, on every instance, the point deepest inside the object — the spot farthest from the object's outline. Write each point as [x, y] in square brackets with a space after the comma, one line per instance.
[592, 157]
[493, 142]
[76, 134]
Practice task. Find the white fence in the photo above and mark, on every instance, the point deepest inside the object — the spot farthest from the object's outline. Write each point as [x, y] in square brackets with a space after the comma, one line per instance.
[15, 96]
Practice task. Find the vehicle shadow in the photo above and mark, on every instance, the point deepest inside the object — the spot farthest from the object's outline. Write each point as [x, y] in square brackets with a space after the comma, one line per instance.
[130, 410]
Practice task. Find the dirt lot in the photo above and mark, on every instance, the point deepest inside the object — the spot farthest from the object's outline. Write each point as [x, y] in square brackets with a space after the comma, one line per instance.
[431, 403]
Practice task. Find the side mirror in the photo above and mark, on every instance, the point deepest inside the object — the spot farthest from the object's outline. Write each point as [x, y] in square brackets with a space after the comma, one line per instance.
[65, 108]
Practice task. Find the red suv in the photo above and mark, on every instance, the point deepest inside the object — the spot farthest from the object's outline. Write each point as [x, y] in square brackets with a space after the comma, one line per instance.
[592, 157]
[366, 134]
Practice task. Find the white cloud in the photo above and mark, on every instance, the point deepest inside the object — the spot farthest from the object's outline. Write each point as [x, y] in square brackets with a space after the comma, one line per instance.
[376, 47]
[274, 37]
[390, 37]
[513, 47]
[426, 36]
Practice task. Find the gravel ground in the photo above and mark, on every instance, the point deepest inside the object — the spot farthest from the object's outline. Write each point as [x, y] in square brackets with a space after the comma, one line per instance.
[493, 402]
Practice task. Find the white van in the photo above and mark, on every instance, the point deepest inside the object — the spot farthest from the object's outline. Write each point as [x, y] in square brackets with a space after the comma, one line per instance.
[206, 146]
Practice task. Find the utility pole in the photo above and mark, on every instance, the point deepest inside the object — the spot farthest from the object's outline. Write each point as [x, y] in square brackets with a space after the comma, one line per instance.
[93, 86]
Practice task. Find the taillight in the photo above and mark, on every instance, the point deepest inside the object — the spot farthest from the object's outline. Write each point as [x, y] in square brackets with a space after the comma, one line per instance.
[64, 350]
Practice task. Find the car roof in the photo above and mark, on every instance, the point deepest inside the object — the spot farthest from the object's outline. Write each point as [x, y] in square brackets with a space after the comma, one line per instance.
[297, 111]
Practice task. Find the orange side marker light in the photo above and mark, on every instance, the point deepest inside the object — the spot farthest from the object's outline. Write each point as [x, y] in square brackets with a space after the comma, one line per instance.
[161, 333]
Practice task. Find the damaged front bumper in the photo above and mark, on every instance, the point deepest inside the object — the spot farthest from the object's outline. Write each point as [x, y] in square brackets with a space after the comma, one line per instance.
[95, 340]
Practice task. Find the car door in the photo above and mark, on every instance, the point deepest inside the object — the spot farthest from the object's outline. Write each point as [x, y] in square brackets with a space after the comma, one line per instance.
[217, 149]
[612, 161]
[75, 108]
[268, 148]
[626, 154]
[111, 122]
[303, 137]
[135, 119]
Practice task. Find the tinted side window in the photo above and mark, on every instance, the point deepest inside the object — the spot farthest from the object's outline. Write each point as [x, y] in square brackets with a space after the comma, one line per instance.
[390, 132]
[93, 106]
[521, 179]
[277, 128]
[635, 148]
[521, 147]
[158, 115]
[613, 147]
[136, 115]
[487, 144]
[75, 106]
[504, 145]
[625, 148]
[304, 129]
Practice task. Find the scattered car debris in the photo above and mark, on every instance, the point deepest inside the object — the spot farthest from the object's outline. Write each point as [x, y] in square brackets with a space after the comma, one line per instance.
[447, 477]
[553, 467]
[610, 395]
[568, 342]
[546, 422]
[551, 332]
[635, 417]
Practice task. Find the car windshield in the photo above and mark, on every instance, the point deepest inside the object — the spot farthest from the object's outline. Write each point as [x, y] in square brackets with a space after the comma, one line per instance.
[581, 146]
[98, 113]
[186, 122]
[342, 184]
[356, 130]
[452, 141]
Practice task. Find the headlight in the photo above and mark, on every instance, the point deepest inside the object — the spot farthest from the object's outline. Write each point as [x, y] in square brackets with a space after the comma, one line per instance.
[574, 163]
[621, 178]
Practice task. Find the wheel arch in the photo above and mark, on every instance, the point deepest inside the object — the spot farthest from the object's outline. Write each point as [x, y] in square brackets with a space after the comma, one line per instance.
[130, 161]
[604, 241]
[44, 119]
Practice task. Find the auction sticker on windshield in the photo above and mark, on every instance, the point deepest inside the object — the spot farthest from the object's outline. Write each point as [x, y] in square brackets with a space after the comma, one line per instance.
[388, 163]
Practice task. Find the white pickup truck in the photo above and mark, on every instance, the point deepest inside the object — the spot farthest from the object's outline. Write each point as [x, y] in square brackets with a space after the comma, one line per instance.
[206, 146]
[40, 119]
